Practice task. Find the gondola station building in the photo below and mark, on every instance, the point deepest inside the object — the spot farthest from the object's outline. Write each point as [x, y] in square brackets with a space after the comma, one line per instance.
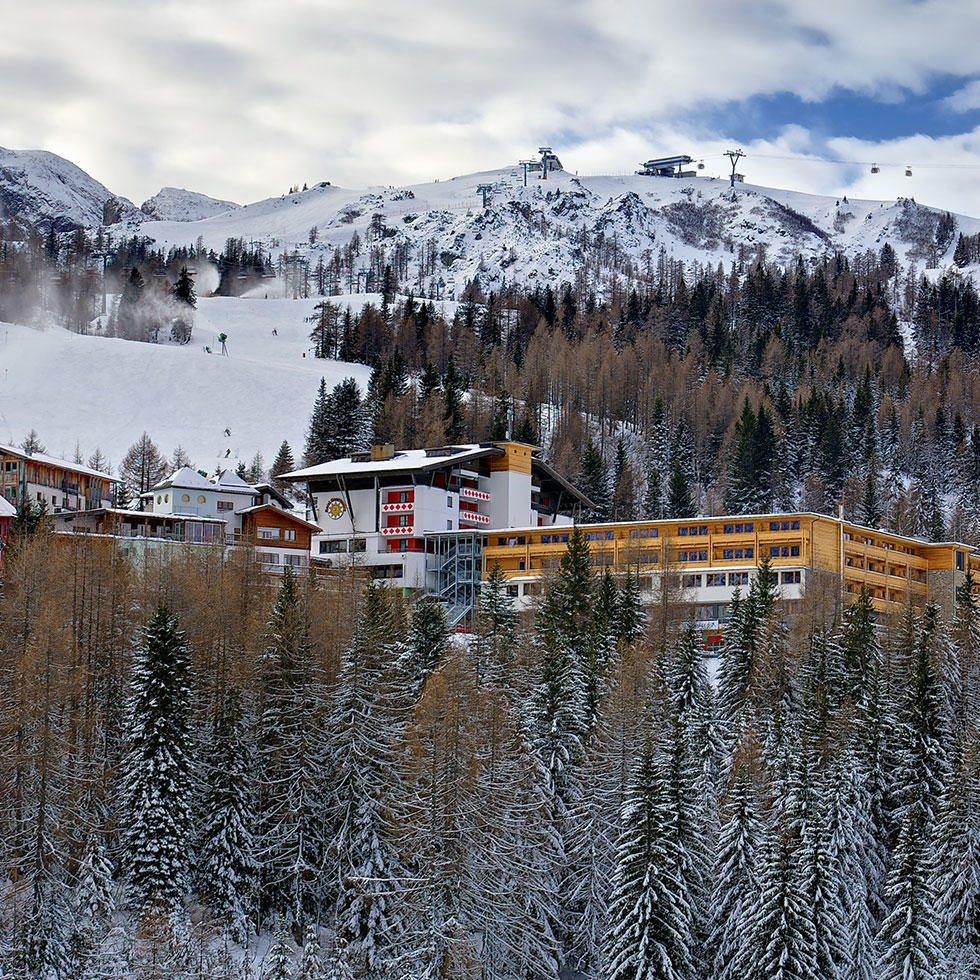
[435, 521]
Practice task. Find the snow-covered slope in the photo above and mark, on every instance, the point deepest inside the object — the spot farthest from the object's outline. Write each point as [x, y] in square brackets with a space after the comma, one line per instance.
[104, 392]
[42, 189]
[555, 229]
[177, 204]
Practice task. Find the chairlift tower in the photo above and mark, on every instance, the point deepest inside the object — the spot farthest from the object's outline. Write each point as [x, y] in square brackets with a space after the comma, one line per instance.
[486, 190]
[528, 163]
[734, 156]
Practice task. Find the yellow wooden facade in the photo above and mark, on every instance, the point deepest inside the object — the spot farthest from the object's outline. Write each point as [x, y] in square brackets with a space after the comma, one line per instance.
[898, 570]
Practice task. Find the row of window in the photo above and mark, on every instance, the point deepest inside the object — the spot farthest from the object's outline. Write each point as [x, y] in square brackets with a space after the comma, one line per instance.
[594, 536]
[719, 579]
[692, 555]
[692, 531]
[730, 554]
[784, 525]
[271, 558]
[273, 533]
[343, 546]
[785, 551]
[739, 528]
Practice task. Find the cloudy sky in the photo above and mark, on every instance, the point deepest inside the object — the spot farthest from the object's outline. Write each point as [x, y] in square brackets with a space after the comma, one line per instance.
[241, 99]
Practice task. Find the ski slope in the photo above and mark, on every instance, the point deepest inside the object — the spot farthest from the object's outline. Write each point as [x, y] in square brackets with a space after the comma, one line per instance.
[105, 392]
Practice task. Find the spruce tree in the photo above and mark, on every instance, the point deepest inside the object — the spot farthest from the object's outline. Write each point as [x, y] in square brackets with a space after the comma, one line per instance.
[426, 642]
[594, 482]
[680, 504]
[320, 429]
[158, 773]
[452, 410]
[283, 463]
[650, 937]
[226, 868]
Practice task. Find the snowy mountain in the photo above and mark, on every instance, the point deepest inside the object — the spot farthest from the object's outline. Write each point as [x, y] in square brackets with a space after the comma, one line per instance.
[177, 204]
[567, 227]
[43, 190]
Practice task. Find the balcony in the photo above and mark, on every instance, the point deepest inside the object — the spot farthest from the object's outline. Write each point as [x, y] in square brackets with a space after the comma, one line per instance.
[405, 531]
[473, 517]
[398, 507]
[469, 493]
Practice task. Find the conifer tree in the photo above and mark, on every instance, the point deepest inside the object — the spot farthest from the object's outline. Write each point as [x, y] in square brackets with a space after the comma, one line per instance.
[320, 429]
[495, 626]
[278, 961]
[367, 717]
[291, 765]
[159, 766]
[594, 482]
[226, 860]
[452, 410]
[650, 911]
[680, 504]
[426, 643]
[283, 463]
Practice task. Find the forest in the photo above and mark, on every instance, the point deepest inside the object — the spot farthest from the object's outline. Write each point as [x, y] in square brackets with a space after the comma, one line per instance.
[207, 771]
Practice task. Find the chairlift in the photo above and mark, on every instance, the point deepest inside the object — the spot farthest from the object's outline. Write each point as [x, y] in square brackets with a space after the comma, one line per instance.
[701, 165]
[875, 169]
[908, 171]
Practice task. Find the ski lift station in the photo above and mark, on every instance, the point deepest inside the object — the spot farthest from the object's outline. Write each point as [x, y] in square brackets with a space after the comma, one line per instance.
[669, 167]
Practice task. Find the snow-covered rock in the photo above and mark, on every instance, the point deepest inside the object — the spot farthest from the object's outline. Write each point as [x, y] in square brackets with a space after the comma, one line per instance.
[41, 189]
[177, 204]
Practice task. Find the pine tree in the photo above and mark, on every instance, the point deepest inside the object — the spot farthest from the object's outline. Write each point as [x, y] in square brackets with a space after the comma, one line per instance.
[367, 716]
[278, 961]
[291, 765]
[427, 641]
[283, 463]
[594, 482]
[680, 504]
[320, 429]
[183, 290]
[159, 766]
[309, 966]
[226, 868]
[452, 411]
[650, 911]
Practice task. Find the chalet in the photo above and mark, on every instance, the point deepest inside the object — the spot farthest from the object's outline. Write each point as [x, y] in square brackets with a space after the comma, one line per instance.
[56, 483]
[280, 537]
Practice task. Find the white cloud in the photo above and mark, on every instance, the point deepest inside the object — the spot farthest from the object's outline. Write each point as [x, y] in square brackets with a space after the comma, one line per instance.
[241, 100]
[965, 99]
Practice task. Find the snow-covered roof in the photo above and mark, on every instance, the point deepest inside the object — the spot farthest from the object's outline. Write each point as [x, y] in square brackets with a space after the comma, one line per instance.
[7, 509]
[141, 514]
[403, 461]
[230, 480]
[54, 461]
[185, 479]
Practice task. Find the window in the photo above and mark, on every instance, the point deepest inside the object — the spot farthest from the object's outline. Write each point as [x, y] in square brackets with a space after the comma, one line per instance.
[654, 532]
[738, 578]
[512, 591]
[564, 539]
[791, 578]
[749, 552]
[160, 498]
[774, 552]
[794, 525]
[332, 547]
[729, 529]
[449, 500]
[784, 526]
[185, 498]
[501, 542]
[201, 499]
[682, 531]
[738, 528]
[691, 581]
[358, 544]
[546, 539]
[267, 557]
[784, 551]
[522, 540]
[702, 530]
[522, 565]
[702, 556]
[715, 579]
[268, 532]
[289, 534]
[297, 561]
[728, 554]
[692, 531]
[774, 525]
[795, 551]
[959, 561]
[404, 520]
[225, 505]
[449, 524]
[589, 536]
[682, 556]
